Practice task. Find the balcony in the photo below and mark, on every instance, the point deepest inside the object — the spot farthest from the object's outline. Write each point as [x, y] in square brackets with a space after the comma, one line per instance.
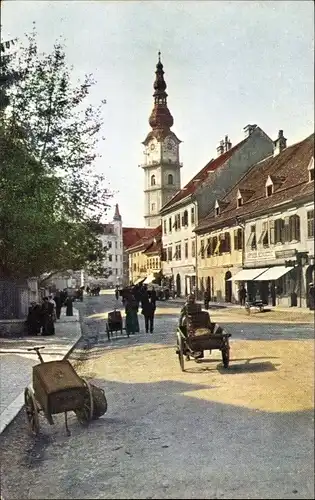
[167, 163]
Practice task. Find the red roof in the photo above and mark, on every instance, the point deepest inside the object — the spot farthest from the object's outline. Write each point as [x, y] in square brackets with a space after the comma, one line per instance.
[291, 182]
[146, 239]
[196, 181]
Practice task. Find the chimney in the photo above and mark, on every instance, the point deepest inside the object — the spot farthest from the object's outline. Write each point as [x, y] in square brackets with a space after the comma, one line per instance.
[279, 144]
[249, 129]
[220, 148]
[227, 144]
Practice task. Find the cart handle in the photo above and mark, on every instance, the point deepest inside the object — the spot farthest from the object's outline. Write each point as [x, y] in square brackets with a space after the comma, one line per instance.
[36, 349]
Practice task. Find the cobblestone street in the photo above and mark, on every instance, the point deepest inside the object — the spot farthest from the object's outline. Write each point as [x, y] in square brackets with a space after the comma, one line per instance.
[245, 432]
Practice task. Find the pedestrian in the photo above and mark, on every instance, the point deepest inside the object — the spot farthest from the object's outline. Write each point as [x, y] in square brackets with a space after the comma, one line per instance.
[206, 299]
[69, 306]
[242, 295]
[53, 304]
[47, 322]
[58, 302]
[131, 310]
[148, 310]
[153, 296]
[117, 292]
[34, 319]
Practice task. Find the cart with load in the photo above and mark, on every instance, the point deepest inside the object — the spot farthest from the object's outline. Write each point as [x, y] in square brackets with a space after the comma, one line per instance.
[57, 388]
[114, 323]
[197, 335]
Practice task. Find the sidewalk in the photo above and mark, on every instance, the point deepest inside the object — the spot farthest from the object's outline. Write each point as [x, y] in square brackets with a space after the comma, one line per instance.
[228, 305]
[16, 362]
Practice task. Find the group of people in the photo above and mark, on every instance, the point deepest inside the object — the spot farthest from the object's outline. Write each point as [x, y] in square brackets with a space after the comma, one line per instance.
[133, 298]
[41, 318]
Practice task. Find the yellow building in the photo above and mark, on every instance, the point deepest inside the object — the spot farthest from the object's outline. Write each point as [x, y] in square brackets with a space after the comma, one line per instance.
[219, 257]
[145, 257]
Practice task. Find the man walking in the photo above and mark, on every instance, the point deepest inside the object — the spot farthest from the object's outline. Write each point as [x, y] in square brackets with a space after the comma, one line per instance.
[148, 310]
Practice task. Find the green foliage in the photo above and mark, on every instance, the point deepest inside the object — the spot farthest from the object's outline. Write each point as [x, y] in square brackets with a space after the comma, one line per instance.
[51, 201]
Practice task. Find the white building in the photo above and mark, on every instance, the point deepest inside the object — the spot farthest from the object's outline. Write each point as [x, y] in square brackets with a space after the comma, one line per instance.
[161, 156]
[181, 214]
[112, 241]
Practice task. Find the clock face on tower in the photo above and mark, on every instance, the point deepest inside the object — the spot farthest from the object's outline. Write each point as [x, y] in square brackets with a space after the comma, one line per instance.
[152, 147]
[170, 145]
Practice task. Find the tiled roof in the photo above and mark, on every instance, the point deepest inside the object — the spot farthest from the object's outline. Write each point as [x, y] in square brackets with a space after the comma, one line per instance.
[133, 234]
[290, 166]
[198, 179]
[146, 239]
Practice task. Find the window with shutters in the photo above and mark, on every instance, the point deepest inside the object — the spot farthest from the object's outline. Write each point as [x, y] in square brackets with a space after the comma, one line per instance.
[135, 267]
[272, 232]
[238, 239]
[226, 243]
[264, 237]
[294, 224]
[169, 253]
[179, 251]
[164, 227]
[164, 256]
[202, 249]
[310, 224]
[192, 215]
[286, 229]
[208, 247]
[193, 248]
[185, 218]
[279, 231]
[217, 249]
[186, 249]
[214, 244]
[251, 242]
[170, 224]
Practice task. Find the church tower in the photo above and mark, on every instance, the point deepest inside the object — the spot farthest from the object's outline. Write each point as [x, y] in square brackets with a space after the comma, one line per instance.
[161, 156]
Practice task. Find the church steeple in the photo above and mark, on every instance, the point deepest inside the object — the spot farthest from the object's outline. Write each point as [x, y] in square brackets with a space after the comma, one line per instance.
[161, 154]
[161, 117]
[117, 215]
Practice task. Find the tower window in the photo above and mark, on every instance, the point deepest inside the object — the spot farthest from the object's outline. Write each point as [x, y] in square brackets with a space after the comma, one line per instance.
[170, 179]
[153, 207]
[152, 180]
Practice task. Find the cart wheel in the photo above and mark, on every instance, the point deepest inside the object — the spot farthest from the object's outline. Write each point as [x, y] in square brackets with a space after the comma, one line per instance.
[108, 332]
[226, 357]
[85, 414]
[31, 411]
[180, 351]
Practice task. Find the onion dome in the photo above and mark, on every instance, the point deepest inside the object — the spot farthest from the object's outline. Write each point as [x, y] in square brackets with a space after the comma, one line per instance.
[161, 117]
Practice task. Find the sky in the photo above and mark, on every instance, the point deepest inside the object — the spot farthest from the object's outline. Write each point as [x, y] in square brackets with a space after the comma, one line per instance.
[227, 64]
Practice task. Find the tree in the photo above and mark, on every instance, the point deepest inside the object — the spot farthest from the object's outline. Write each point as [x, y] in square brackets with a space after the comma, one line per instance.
[51, 201]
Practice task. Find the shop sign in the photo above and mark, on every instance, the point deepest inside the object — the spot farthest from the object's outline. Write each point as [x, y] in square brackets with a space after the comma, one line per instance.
[285, 254]
[260, 254]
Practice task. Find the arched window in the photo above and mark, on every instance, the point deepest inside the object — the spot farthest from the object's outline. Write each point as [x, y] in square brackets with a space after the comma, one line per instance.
[170, 179]
[152, 180]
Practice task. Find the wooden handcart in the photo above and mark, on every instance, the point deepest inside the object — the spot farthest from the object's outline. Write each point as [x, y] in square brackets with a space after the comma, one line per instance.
[57, 388]
[199, 335]
[114, 324]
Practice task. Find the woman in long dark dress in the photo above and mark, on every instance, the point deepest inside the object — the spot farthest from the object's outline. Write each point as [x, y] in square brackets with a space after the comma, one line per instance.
[131, 310]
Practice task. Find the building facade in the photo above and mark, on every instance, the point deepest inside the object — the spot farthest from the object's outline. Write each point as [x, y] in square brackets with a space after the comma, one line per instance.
[161, 155]
[145, 257]
[261, 235]
[112, 241]
[182, 213]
